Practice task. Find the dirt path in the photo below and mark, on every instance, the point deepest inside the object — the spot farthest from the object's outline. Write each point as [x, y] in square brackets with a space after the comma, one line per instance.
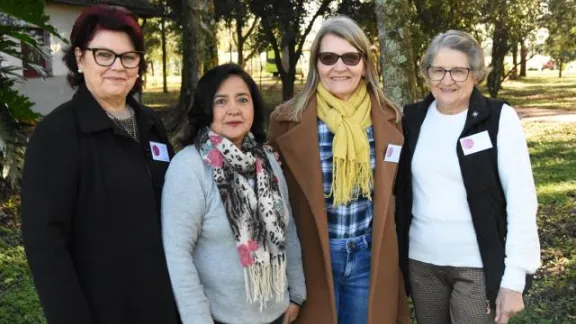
[547, 115]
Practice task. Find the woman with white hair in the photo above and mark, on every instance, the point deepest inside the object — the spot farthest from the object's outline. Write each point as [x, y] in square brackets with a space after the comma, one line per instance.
[466, 200]
[340, 140]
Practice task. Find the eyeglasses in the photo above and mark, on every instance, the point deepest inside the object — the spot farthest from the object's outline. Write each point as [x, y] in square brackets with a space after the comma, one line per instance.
[350, 59]
[106, 57]
[458, 74]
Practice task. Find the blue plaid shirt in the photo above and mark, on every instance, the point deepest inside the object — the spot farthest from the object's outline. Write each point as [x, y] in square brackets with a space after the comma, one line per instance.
[354, 219]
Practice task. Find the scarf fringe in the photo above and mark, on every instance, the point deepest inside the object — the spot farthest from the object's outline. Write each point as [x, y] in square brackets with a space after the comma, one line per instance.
[350, 175]
[264, 281]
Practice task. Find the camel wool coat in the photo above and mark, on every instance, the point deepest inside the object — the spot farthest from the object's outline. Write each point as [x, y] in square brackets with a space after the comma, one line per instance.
[297, 143]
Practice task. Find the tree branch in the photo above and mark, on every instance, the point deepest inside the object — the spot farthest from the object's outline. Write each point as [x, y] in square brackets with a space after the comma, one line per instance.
[274, 43]
[252, 28]
[319, 12]
[251, 54]
[514, 67]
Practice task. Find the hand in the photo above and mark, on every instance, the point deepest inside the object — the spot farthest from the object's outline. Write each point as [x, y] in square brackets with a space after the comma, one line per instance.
[270, 149]
[508, 303]
[291, 313]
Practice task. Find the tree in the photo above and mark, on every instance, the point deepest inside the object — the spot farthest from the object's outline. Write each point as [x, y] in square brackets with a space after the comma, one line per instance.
[281, 23]
[157, 32]
[199, 52]
[190, 20]
[237, 13]
[561, 23]
[500, 47]
[511, 21]
[523, 20]
[16, 18]
[208, 35]
[396, 51]
[431, 17]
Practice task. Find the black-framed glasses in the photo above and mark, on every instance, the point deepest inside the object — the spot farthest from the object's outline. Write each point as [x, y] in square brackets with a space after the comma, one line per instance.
[106, 57]
[458, 74]
[350, 59]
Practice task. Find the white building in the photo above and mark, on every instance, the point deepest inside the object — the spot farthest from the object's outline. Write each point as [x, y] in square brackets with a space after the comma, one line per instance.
[48, 93]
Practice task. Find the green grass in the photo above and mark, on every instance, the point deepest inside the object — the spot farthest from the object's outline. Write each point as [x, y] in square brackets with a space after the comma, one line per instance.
[553, 152]
[542, 90]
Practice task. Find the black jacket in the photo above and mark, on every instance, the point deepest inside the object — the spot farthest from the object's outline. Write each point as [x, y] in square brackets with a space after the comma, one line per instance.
[484, 191]
[91, 217]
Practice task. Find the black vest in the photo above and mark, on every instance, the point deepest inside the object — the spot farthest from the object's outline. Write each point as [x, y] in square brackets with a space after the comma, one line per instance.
[481, 179]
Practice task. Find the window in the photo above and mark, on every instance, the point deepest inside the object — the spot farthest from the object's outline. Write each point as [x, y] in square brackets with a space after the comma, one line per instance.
[31, 55]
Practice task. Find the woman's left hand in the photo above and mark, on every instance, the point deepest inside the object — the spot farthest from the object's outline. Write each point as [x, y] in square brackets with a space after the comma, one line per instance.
[270, 149]
[508, 303]
[291, 313]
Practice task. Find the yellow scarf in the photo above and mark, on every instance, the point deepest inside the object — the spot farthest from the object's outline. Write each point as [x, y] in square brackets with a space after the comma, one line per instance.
[348, 121]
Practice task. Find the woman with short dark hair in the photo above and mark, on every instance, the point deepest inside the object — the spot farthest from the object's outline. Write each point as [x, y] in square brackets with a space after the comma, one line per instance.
[230, 240]
[92, 183]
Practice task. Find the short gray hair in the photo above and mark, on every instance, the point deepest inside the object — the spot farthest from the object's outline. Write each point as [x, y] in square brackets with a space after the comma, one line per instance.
[459, 41]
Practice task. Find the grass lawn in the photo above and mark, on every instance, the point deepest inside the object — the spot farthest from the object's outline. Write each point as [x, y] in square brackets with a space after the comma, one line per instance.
[553, 152]
[542, 89]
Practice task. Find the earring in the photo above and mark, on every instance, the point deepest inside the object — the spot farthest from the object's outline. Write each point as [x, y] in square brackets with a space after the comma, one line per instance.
[79, 71]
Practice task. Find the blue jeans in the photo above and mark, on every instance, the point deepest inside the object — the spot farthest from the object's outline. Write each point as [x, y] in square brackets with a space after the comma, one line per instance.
[351, 275]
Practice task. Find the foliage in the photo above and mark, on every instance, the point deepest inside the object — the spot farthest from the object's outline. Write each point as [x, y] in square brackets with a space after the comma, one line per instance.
[237, 14]
[283, 23]
[16, 17]
[510, 22]
[561, 23]
[364, 13]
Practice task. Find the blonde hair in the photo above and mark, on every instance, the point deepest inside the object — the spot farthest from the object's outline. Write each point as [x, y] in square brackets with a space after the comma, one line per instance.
[347, 29]
[459, 41]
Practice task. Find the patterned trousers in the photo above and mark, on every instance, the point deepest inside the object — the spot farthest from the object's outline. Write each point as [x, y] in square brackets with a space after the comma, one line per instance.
[444, 295]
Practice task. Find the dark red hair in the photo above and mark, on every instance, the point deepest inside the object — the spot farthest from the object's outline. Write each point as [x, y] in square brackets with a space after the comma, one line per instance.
[94, 19]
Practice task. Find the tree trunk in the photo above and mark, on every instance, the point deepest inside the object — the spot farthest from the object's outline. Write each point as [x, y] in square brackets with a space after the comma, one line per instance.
[288, 79]
[190, 58]
[500, 47]
[560, 64]
[514, 73]
[397, 62]
[239, 36]
[209, 30]
[523, 55]
[289, 61]
[164, 59]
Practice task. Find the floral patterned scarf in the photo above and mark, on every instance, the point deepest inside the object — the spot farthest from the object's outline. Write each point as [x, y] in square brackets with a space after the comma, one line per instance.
[255, 209]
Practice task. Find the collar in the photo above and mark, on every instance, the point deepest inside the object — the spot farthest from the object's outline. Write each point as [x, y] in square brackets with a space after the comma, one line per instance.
[92, 118]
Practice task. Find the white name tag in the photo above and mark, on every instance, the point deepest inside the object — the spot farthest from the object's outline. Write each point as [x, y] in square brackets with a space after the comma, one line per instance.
[393, 153]
[476, 143]
[159, 151]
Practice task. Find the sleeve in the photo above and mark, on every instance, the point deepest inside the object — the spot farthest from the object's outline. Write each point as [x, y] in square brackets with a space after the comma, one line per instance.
[515, 170]
[294, 270]
[183, 208]
[49, 196]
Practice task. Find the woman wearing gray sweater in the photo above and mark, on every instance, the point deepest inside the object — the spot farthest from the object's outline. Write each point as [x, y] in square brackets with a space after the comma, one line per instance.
[231, 244]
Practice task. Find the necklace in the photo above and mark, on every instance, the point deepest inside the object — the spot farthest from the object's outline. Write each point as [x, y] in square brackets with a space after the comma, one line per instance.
[128, 125]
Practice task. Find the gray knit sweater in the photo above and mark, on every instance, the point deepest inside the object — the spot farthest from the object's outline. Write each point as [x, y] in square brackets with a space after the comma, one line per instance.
[203, 261]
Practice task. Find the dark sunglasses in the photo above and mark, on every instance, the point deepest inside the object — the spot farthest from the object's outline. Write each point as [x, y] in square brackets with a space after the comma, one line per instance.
[350, 59]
